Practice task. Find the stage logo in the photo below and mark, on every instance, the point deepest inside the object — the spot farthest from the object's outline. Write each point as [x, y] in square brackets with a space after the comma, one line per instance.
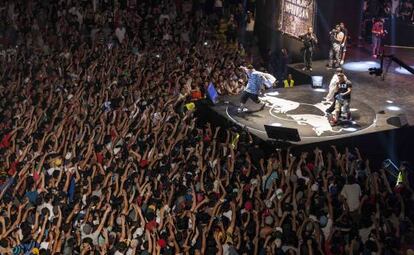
[296, 16]
[319, 123]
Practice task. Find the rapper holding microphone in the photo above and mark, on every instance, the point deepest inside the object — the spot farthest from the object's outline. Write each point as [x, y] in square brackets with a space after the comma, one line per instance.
[309, 42]
[256, 81]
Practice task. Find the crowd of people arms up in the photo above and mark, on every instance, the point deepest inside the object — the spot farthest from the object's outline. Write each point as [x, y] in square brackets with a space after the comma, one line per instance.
[98, 154]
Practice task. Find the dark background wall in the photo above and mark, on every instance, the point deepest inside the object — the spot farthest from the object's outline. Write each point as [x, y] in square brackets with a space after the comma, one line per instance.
[328, 13]
[399, 33]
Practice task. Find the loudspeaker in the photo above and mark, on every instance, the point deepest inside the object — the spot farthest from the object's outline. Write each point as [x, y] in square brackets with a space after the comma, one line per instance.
[282, 133]
[398, 121]
[317, 81]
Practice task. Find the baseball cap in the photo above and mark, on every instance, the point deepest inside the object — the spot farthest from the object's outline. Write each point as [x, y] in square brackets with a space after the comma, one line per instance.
[87, 229]
[268, 220]
[279, 193]
[323, 220]
[162, 243]
[228, 214]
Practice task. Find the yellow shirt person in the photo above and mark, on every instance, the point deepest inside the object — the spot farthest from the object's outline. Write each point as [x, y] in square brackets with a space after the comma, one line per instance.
[289, 82]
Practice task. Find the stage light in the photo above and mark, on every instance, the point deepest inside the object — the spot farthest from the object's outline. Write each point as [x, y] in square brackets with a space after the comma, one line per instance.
[272, 94]
[350, 129]
[402, 70]
[317, 81]
[390, 101]
[361, 66]
[393, 108]
[320, 90]
[275, 124]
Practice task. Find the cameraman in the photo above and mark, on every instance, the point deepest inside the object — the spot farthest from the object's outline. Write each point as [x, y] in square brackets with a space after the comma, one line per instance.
[337, 37]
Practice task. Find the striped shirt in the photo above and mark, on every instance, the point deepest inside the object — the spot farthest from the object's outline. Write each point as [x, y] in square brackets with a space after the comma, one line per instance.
[26, 248]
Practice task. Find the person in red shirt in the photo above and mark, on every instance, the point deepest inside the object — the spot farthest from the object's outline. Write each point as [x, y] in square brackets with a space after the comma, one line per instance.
[5, 141]
[377, 34]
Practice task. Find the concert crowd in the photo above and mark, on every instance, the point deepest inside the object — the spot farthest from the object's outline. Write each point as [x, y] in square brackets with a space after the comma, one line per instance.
[99, 155]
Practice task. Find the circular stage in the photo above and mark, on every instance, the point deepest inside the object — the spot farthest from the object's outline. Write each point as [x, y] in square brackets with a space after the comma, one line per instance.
[302, 109]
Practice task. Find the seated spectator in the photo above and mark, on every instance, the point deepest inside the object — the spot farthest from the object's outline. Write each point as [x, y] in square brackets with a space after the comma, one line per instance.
[289, 82]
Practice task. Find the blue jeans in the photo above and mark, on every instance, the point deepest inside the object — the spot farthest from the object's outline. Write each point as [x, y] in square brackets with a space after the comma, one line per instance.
[376, 45]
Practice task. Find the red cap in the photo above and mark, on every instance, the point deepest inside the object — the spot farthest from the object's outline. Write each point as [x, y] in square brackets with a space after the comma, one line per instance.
[151, 225]
[200, 197]
[162, 243]
[143, 163]
[139, 200]
[207, 138]
[248, 206]
[36, 175]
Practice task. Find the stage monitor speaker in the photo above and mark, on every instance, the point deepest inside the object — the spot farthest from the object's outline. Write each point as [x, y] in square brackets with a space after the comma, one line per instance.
[282, 133]
[317, 81]
[398, 121]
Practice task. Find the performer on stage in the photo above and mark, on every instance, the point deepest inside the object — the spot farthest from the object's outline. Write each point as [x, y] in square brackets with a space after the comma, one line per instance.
[255, 82]
[377, 34]
[344, 42]
[309, 42]
[342, 99]
[332, 85]
[337, 37]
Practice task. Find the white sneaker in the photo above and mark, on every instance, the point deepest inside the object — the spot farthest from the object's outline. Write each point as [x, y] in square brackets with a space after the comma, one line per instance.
[245, 109]
[262, 101]
[239, 110]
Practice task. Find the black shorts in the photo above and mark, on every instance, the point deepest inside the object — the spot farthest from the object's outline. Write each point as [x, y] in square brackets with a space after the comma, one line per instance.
[246, 95]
